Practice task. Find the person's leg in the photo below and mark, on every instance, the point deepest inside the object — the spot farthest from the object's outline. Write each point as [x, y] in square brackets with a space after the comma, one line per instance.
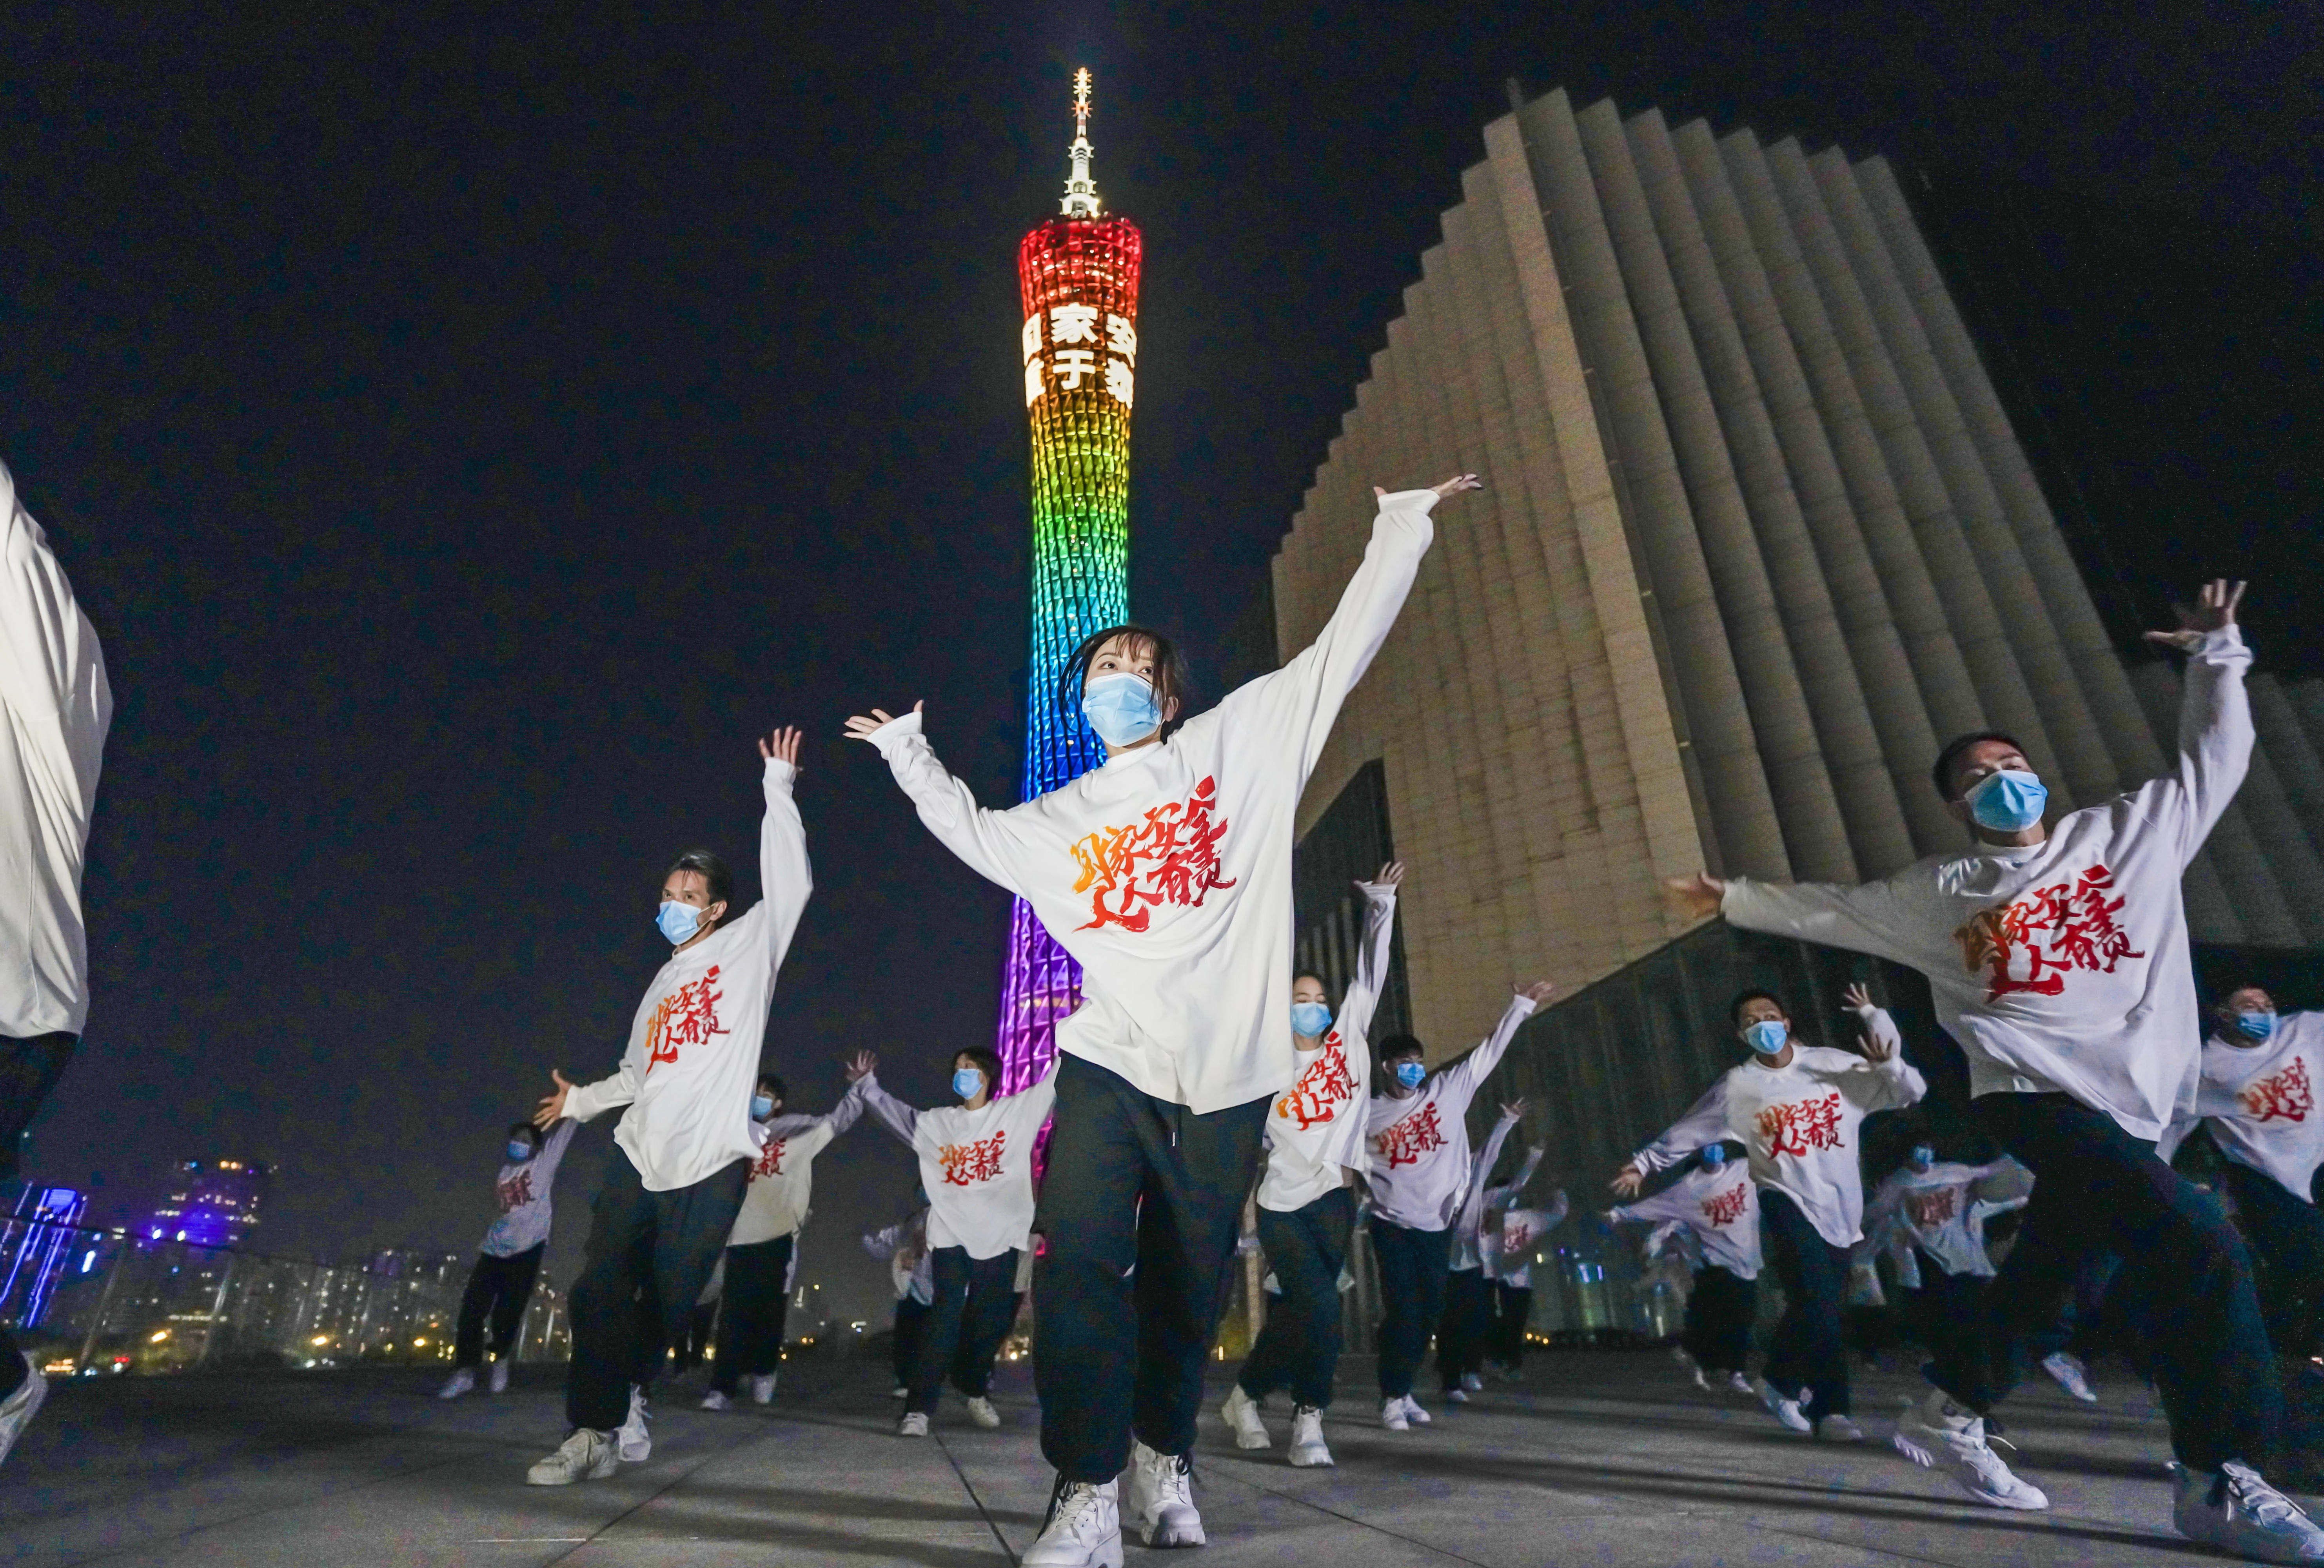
[1329, 1222]
[1401, 1256]
[1457, 1324]
[690, 1230]
[617, 1262]
[904, 1352]
[14, 1370]
[1808, 1351]
[2287, 1236]
[476, 1303]
[1738, 1313]
[30, 1066]
[984, 1326]
[939, 1336]
[1284, 1238]
[517, 1274]
[756, 1299]
[1514, 1304]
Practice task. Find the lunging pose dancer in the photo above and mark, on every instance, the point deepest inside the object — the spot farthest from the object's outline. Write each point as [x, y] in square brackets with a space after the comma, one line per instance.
[1315, 1147]
[2058, 958]
[55, 708]
[764, 1245]
[1718, 1204]
[1468, 1316]
[1420, 1176]
[976, 1165]
[1927, 1212]
[1795, 1109]
[904, 1246]
[508, 1261]
[1167, 874]
[683, 1152]
[1505, 1240]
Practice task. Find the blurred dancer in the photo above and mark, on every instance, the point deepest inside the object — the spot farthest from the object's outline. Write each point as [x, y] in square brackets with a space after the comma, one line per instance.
[1929, 1212]
[509, 1260]
[1717, 1207]
[904, 1246]
[1505, 1240]
[1468, 1315]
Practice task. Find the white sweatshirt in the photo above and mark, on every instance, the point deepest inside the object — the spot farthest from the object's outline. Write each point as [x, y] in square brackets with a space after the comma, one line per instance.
[782, 1177]
[1315, 1133]
[1466, 1254]
[1418, 1146]
[1799, 1123]
[694, 1046]
[523, 1190]
[912, 1266]
[2261, 1103]
[1508, 1247]
[2061, 966]
[1494, 1217]
[55, 708]
[1167, 872]
[975, 1165]
[1720, 1210]
[1937, 1211]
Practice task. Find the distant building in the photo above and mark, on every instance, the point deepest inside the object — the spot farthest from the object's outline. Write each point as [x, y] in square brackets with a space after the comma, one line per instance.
[39, 1243]
[210, 1202]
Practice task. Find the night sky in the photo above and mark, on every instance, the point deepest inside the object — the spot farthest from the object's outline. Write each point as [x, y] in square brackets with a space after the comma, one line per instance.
[468, 428]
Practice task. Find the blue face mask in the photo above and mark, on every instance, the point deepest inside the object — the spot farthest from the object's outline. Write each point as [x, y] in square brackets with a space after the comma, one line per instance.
[761, 1107]
[2255, 1026]
[1122, 708]
[1409, 1074]
[519, 1152]
[1714, 1155]
[1310, 1019]
[678, 922]
[967, 1082]
[1768, 1036]
[2009, 801]
[1924, 1157]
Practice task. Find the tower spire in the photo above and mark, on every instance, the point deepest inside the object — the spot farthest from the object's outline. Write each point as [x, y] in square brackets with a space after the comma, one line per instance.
[1080, 190]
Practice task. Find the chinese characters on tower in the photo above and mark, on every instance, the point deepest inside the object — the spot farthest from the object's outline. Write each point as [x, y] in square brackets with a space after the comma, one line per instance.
[1063, 350]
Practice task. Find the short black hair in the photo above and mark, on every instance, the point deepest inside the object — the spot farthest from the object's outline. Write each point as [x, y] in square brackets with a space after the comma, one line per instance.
[1948, 761]
[712, 870]
[1314, 974]
[774, 1081]
[1735, 1008]
[987, 1062]
[2245, 984]
[1390, 1049]
[1171, 680]
[528, 1128]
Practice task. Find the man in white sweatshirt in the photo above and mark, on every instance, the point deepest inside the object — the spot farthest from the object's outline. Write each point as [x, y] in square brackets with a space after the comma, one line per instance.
[1928, 1217]
[976, 1165]
[683, 1153]
[507, 1264]
[1166, 875]
[1505, 1240]
[1717, 1204]
[55, 708]
[1315, 1147]
[1467, 1316]
[1417, 1141]
[1795, 1108]
[2258, 1097]
[2058, 958]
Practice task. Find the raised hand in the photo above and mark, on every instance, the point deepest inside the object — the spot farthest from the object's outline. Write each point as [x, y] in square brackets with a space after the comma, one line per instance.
[1450, 488]
[782, 746]
[1539, 991]
[2214, 608]
[1857, 997]
[1512, 1109]
[1627, 1181]
[1698, 896]
[1872, 1048]
[860, 1065]
[1391, 875]
[552, 1109]
[860, 728]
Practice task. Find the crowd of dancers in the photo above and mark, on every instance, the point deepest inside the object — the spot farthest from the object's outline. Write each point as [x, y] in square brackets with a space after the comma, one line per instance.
[1203, 1072]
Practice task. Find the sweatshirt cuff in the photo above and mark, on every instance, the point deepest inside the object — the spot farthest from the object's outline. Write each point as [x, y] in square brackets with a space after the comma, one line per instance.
[782, 773]
[1419, 501]
[895, 732]
[1519, 1002]
[2223, 646]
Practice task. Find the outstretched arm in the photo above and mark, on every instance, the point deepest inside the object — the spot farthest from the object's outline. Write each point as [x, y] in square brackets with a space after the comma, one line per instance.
[785, 877]
[1356, 1008]
[1705, 1122]
[1464, 1077]
[1874, 917]
[2215, 724]
[863, 1087]
[983, 839]
[1894, 1082]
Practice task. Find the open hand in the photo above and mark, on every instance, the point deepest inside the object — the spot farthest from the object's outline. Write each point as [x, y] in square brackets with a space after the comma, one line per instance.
[552, 1109]
[1698, 896]
[1451, 487]
[1857, 997]
[1512, 1109]
[1539, 991]
[2214, 609]
[860, 728]
[782, 746]
[1389, 875]
[1875, 1049]
[1627, 1181]
[859, 1065]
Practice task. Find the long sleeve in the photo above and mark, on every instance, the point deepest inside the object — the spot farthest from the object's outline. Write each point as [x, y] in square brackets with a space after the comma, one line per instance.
[1873, 917]
[981, 839]
[1705, 1122]
[888, 1111]
[1501, 1197]
[882, 1244]
[52, 670]
[1554, 1215]
[1891, 1085]
[1483, 1164]
[552, 1150]
[1362, 999]
[587, 1102]
[1675, 1204]
[1464, 1077]
[2215, 742]
[785, 879]
[846, 1114]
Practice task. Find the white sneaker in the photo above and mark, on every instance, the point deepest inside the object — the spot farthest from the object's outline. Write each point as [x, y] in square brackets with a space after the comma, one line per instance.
[635, 1442]
[1413, 1413]
[1700, 1381]
[2071, 1376]
[585, 1455]
[762, 1389]
[1393, 1417]
[915, 1424]
[1162, 1498]
[1740, 1384]
[457, 1384]
[899, 1392]
[1084, 1528]
[1785, 1411]
[1241, 1413]
[715, 1400]
[1941, 1436]
[500, 1375]
[17, 1411]
[2233, 1509]
[980, 1411]
[1472, 1383]
[1837, 1429]
[1307, 1447]
[1456, 1395]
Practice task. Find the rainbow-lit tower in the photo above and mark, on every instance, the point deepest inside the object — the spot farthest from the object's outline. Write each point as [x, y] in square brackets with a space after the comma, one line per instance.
[1078, 275]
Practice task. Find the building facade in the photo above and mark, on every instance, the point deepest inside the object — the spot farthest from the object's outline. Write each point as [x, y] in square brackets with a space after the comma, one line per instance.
[210, 1202]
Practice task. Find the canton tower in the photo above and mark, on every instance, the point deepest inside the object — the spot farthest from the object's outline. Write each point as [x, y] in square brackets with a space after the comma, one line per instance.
[1077, 274]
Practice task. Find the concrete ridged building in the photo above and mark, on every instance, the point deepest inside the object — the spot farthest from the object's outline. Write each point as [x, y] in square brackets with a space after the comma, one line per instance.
[1758, 536]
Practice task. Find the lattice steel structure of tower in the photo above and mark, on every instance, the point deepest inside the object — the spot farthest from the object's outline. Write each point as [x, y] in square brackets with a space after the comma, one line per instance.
[1077, 273]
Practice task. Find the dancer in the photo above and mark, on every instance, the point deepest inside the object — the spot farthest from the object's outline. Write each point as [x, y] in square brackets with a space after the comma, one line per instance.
[1314, 1144]
[55, 708]
[682, 1155]
[509, 1260]
[2258, 1097]
[1468, 1313]
[1717, 1205]
[976, 1163]
[1167, 874]
[1508, 1240]
[763, 1248]
[2059, 960]
[905, 1248]
[1417, 1138]
[1795, 1109]
[1927, 1211]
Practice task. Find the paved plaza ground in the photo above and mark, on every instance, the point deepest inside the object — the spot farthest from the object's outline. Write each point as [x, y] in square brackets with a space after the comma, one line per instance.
[1598, 1457]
